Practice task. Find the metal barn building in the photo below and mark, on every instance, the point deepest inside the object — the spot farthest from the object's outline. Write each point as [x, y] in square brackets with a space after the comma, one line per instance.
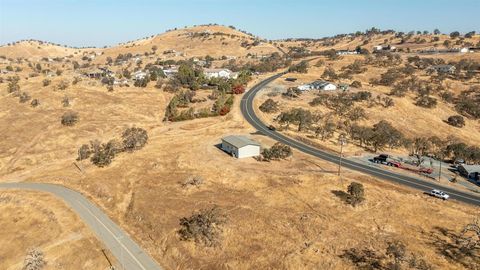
[240, 146]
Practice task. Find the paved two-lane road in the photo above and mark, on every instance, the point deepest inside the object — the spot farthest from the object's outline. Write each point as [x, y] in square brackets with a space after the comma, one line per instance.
[420, 184]
[127, 253]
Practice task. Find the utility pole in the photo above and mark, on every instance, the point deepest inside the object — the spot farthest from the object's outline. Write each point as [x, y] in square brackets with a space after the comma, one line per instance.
[440, 171]
[342, 140]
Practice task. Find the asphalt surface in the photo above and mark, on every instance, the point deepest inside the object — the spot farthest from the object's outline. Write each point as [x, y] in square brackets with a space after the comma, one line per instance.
[127, 253]
[413, 182]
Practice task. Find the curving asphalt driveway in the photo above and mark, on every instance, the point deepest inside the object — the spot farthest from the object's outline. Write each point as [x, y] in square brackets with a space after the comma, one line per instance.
[128, 254]
[246, 106]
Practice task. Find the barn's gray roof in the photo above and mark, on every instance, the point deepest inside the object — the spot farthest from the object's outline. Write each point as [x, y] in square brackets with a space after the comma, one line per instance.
[470, 168]
[239, 141]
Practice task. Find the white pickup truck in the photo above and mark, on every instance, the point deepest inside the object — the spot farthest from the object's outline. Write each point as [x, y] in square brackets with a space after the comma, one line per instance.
[439, 194]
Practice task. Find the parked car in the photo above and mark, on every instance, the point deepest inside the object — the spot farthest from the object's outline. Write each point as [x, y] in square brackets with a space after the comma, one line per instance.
[439, 194]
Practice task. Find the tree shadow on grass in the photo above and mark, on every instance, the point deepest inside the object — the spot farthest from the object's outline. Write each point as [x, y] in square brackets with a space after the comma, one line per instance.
[342, 195]
[448, 243]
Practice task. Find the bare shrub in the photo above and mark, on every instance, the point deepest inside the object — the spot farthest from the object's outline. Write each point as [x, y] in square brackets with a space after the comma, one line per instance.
[134, 138]
[62, 85]
[203, 227]
[395, 256]
[35, 102]
[66, 101]
[192, 181]
[426, 101]
[46, 82]
[84, 152]
[34, 260]
[24, 97]
[69, 118]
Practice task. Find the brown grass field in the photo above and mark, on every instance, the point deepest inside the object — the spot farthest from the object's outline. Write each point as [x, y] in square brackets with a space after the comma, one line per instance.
[38, 220]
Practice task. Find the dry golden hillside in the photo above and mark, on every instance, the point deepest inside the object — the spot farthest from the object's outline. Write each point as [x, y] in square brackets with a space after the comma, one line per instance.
[414, 43]
[199, 41]
[36, 50]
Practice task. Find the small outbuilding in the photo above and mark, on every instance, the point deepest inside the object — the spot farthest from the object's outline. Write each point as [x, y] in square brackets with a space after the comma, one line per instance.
[240, 146]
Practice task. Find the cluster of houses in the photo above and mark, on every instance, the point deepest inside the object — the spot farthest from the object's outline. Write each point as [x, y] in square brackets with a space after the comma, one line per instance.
[220, 73]
[169, 71]
[452, 50]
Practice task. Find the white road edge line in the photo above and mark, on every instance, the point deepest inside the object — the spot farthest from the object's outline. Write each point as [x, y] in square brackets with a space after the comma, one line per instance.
[114, 236]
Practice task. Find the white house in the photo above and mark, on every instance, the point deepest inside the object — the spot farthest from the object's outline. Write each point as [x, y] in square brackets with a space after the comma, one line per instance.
[220, 73]
[139, 75]
[120, 82]
[326, 86]
[378, 48]
[170, 71]
[304, 87]
[240, 146]
[346, 52]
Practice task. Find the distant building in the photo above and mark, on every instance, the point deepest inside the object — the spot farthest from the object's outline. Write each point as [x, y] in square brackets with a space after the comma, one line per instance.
[139, 75]
[220, 73]
[240, 146]
[346, 52]
[322, 85]
[470, 171]
[170, 71]
[380, 48]
[120, 82]
[304, 87]
[318, 85]
[98, 73]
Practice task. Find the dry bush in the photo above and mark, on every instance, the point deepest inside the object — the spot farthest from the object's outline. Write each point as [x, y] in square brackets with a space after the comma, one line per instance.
[395, 257]
[24, 97]
[203, 227]
[456, 121]
[35, 102]
[192, 181]
[62, 85]
[357, 194]
[69, 118]
[34, 260]
[84, 152]
[46, 82]
[276, 152]
[66, 101]
[426, 101]
[134, 139]
[104, 153]
[269, 106]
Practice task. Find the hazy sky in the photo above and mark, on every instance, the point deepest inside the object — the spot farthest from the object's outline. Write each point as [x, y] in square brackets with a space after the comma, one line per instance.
[107, 22]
